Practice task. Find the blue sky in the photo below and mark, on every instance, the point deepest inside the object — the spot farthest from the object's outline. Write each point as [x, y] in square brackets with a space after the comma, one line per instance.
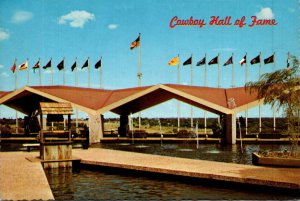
[94, 28]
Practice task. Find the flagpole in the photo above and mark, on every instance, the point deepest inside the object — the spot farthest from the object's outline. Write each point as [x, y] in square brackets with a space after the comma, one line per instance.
[76, 74]
[101, 81]
[260, 109]
[205, 119]
[246, 112]
[89, 74]
[218, 72]
[178, 103]
[76, 84]
[139, 75]
[192, 82]
[51, 71]
[16, 86]
[40, 80]
[232, 77]
[205, 71]
[64, 71]
[274, 108]
[27, 72]
[246, 77]
[16, 76]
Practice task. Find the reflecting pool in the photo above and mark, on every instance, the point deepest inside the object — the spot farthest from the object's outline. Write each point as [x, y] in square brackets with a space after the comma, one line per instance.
[99, 183]
[212, 152]
[112, 184]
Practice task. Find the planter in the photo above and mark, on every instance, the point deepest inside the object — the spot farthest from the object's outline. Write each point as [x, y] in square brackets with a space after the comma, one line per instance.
[274, 161]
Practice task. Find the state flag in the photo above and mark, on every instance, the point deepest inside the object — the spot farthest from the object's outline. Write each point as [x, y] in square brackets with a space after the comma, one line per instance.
[269, 59]
[188, 61]
[201, 62]
[48, 65]
[86, 64]
[61, 65]
[174, 61]
[244, 60]
[255, 60]
[36, 66]
[13, 68]
[98, 64]
[23, 66]
[135, 43]
[229, 61]
[214, 61]
[74, 66]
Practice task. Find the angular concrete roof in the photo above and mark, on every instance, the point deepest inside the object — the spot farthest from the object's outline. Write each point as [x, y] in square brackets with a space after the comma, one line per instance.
[131, 100]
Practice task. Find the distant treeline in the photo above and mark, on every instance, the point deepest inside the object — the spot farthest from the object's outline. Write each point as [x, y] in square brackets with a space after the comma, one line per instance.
[253, 123]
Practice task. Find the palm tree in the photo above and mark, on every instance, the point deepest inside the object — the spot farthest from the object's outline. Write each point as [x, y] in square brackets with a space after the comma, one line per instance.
[282, 88]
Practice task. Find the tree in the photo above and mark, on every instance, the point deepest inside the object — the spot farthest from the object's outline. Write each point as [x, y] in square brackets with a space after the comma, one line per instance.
[282, 88]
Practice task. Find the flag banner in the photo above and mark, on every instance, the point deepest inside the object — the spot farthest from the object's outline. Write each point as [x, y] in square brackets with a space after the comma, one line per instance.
[23, 66]
[174, 61]
[13, 68]
[214, 61]
[229, 61]
[86, 64]
[244, 60]
[74, 66]
[98, 64]
[269, 59]
[188, 61]
[61, 65]
[37, 65]
[255, 60]
[201, 62]
[48, 65]
[135, 43]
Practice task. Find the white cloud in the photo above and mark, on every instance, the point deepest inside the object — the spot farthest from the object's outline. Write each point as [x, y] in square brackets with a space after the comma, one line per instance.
[265, 13]
[4, 74]
[1, 66]
[112, 26]
[3, 34]
[21, 16]
[77, 18]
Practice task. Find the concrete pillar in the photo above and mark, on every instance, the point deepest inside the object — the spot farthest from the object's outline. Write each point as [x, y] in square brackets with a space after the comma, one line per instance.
[95, 128]
[230, 135]
[124, 127]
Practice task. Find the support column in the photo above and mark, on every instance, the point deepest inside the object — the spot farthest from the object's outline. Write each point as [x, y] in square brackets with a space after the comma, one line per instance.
[230, 135]
[124, 127]
[95, 128]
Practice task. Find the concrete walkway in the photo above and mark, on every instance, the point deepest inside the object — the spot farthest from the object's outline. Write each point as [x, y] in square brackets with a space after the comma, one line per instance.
[248, 174]
[21, 179]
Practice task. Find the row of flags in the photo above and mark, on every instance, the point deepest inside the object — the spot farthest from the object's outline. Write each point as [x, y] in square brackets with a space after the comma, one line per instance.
[60, 66]
[175, 61]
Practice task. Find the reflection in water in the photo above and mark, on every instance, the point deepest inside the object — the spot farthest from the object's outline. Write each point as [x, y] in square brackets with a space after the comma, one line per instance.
[141, 146]
[185, 150]
[213, 152]
[110, 184]
[115, 184]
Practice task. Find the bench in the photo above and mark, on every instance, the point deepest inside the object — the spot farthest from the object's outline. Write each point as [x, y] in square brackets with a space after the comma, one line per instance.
[28, 146]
